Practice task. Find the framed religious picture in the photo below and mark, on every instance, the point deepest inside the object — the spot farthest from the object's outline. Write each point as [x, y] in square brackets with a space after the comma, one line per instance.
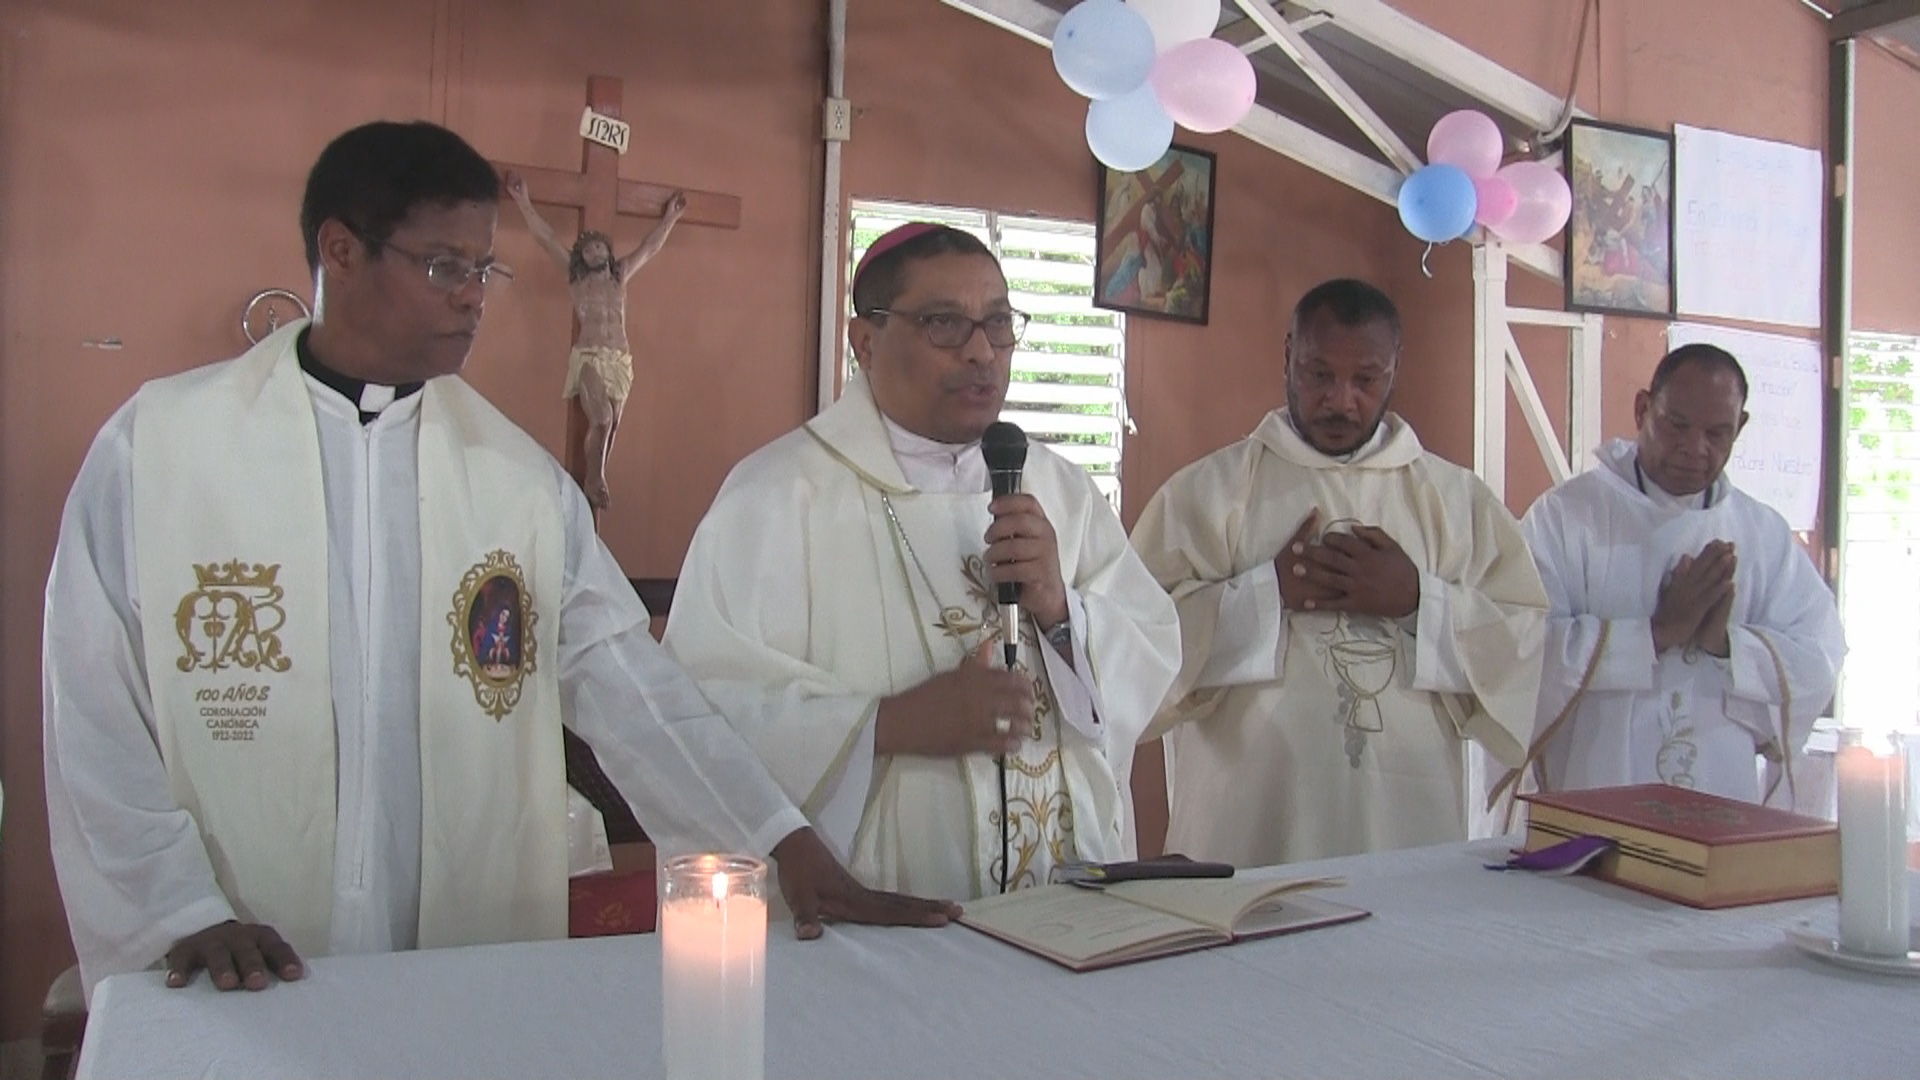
[1153, 241]
[1619, 251]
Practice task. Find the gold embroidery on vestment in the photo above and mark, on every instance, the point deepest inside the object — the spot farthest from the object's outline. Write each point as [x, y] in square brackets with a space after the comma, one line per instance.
[233, 618]
[493, 620]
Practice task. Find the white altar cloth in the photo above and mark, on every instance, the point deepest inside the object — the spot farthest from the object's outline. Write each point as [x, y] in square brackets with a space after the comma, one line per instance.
[1461, 972]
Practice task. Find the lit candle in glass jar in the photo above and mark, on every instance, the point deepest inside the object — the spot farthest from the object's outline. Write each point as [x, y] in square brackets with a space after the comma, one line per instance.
[1873, 845]
[713, 943]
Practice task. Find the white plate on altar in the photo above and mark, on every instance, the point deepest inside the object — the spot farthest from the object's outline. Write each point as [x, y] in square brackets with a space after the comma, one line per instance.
[1827, 947]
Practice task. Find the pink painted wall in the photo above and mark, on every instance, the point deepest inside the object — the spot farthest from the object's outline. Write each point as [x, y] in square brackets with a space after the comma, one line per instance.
[151, 157]
[1886, 228]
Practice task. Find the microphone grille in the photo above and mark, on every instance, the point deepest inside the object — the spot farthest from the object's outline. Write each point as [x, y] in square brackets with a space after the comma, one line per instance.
[1004, 446]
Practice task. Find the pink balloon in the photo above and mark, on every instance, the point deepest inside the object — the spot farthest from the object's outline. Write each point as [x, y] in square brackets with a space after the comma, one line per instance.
[1496, 200]
[1467, 140]
[1205, 85]
[1542, 202]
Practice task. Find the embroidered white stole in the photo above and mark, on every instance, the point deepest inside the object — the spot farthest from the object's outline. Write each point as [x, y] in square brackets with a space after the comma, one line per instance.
[940, 609]
[230, 528]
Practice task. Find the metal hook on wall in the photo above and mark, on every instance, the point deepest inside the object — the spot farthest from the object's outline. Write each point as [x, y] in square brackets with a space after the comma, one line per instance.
[270, 298]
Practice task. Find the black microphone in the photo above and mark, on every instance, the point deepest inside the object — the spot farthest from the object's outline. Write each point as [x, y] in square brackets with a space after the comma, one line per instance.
[1004, 446]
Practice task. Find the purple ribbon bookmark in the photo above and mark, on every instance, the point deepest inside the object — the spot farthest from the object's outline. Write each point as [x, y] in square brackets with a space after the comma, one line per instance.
[1566, 857]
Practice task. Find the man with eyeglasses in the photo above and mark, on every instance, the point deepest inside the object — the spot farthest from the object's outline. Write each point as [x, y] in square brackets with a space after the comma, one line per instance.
[1362, 618]
[1692, 641]
[600, 364]
[270, 728]
[838, 604]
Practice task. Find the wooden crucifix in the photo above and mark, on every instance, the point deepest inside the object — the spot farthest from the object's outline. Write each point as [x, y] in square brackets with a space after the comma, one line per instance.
[600, 196]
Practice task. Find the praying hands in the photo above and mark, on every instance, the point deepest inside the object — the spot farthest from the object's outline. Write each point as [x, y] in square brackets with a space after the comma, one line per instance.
[1364, 572]
[1696, 600]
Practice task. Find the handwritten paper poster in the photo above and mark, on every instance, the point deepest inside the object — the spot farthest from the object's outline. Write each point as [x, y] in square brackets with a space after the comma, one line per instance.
[1777, 458]
[1746, 228]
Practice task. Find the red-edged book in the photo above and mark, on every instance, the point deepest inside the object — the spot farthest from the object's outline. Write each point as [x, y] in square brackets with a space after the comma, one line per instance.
[617, 903]
[1691, 847]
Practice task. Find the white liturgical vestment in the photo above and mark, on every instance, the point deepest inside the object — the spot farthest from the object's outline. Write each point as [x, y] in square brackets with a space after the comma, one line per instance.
[1605, 541]
[139, 869]
[824, 578]
[1300, 735]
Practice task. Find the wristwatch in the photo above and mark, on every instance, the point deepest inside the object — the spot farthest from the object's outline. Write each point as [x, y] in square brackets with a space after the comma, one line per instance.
[1061, 636]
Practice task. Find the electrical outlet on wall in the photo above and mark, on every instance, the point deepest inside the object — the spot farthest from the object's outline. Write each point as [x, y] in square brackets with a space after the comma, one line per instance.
[837, 125]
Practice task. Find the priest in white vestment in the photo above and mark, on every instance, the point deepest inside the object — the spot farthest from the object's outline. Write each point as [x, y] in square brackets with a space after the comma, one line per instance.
[317, 615]
[1360, 620]
[838, 605]
[1692, 642]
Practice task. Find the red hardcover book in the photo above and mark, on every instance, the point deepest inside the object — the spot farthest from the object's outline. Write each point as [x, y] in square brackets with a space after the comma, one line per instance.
[1688, 846]
[621, 902]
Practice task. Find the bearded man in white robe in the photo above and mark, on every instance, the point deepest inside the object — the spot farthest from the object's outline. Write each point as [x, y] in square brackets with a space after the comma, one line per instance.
[1692, 641]
[317, 616]
[838, 604]
[1360, 620]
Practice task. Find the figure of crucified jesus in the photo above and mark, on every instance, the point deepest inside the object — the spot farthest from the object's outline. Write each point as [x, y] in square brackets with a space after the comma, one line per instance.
[600, 367]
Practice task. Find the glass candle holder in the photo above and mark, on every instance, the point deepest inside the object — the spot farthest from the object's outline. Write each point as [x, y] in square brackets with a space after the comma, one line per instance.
[713, 943]
[1872, 781]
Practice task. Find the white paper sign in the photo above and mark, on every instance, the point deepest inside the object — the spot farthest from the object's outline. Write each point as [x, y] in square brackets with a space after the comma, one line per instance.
[604, 130]
[1777, 458]
[1746, 228]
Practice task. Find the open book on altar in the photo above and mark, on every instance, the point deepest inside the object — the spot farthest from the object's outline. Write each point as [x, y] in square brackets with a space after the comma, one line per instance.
[1089, 928]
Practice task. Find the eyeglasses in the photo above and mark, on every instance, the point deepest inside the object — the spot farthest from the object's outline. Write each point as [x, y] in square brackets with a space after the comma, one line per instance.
[950, 330]
[450, 272]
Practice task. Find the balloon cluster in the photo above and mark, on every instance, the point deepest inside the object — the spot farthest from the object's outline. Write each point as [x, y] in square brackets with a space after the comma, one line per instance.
[1463, 184]
[1148, 65]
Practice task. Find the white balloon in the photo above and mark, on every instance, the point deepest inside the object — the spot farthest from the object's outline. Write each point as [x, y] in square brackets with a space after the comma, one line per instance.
[1103, 49]
[1130, 132]
[1176, 22]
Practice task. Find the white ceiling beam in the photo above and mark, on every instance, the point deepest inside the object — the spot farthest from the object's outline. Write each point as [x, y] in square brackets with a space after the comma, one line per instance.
[1338, 162]
[1537, 259]
[1867, 18]
[1295, 45]
[1325, 156]
[1247, 36]
[1444, 58]
[1526, 316]
[1036, 22]
[1028, 18]
[1534, 412]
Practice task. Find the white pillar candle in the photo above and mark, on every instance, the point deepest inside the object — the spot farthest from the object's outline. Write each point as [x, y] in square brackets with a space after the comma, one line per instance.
[1873, 847]
[713, 941]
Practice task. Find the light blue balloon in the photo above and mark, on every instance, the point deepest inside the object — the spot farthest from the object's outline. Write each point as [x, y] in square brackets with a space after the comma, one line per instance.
[1437, 203]
[1103, 49]
[1131, 132]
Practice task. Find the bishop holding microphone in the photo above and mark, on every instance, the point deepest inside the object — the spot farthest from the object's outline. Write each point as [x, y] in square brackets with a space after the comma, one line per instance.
[934, 633]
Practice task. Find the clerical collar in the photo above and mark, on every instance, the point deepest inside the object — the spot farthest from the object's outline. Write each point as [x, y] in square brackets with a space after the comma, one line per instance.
[1664, 497]
[370, 398]
[1365, 450]
[935, 467]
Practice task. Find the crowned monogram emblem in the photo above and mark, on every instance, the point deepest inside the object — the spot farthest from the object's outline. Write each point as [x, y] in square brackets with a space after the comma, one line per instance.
[493, 641]
[233, 619]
